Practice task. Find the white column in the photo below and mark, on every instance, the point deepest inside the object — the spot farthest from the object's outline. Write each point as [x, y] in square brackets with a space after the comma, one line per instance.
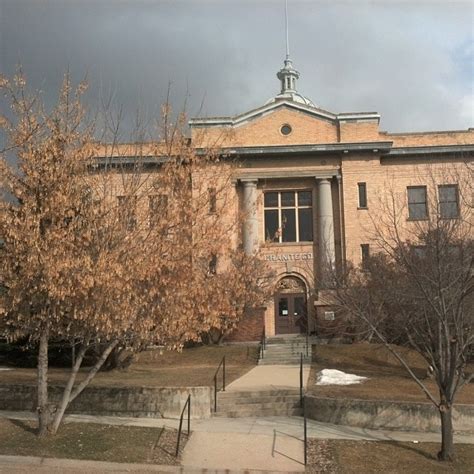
[326, 248]
[250, 226]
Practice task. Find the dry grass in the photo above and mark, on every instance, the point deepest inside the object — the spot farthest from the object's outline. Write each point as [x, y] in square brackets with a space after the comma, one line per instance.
[388, 380]
[371, 457]
[190, 368]
[92, 441]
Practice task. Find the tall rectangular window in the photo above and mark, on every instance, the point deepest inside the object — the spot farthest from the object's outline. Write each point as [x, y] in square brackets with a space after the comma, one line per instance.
[362, 195]
[417, 203]
[127, 212]
[288, 216]
[212, 200]
[157, 208]
[365, 254]
[448, 201]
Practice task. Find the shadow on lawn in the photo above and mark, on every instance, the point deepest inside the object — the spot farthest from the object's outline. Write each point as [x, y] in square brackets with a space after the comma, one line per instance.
[414, 448]
[24, 425]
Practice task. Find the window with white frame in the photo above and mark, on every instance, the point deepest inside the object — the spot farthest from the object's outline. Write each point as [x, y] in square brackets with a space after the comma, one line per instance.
[417, 202]
[448, 201]
[288, 216]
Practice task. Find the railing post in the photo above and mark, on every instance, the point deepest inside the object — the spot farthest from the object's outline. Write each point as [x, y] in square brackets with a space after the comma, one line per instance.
[305, 433]
[307, 341]
[189, 414]
[301, 378]
[215, 393]
[223, 374]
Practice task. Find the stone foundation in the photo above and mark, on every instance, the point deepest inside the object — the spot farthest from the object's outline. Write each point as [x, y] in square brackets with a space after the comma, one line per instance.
[377, 414]
[161, 402]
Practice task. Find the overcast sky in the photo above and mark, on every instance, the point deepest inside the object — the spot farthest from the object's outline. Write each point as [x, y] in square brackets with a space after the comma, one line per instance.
[410, 61]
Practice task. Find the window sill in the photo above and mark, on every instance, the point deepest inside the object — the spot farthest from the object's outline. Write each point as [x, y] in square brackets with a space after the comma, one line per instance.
[449, 218]
[417, 219]
[287, 244]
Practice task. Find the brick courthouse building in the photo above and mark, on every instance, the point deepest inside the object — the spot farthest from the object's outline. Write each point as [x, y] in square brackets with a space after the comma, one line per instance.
[309, 181]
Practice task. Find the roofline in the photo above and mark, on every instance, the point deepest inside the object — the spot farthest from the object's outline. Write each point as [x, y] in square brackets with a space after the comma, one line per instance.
[382, 147]
[432, 132]
[429, 150]
[226, 121]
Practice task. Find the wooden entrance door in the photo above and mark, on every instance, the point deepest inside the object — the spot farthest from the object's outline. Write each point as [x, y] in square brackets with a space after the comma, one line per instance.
[290, 313]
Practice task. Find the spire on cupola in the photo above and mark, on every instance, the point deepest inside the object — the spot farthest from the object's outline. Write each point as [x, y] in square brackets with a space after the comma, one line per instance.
[288, 75]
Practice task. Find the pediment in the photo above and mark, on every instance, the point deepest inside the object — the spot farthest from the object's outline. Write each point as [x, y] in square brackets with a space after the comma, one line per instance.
[264, 126]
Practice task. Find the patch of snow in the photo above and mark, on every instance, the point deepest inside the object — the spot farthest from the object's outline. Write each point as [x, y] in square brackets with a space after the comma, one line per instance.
[337, 377]
[5, 368]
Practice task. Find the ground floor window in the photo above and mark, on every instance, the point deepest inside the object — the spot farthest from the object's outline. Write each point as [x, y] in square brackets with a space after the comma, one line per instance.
[288, 216]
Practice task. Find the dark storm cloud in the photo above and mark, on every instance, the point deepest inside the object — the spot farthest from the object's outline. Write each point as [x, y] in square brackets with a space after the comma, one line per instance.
[412, 62]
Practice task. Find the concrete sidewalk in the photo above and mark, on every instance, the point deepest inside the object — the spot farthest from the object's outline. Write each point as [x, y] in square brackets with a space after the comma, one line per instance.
[289, 425]
[270, 444]
[270, 377]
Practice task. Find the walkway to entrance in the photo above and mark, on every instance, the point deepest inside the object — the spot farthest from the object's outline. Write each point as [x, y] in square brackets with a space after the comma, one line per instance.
[270, 377]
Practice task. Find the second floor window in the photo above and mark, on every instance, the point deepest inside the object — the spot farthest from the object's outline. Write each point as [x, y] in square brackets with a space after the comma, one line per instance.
[362, 195]
[448, 201]
[212, 200]
[127, 212]
[288, 216]
[158, 208]
[417, 204]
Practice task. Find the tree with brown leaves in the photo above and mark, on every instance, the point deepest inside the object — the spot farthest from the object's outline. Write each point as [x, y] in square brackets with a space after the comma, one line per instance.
[106, 245]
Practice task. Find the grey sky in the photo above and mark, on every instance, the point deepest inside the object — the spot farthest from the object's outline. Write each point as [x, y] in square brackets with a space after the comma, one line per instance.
[410, 61]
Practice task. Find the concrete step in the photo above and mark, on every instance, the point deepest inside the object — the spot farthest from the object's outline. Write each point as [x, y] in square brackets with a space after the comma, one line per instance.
[258, 406]
[248, 394]
[259, 413]
[283, 354]
[257, 400]
[286, 349]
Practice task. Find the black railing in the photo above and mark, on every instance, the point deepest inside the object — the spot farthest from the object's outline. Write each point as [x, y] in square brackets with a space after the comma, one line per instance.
[305, 430]
[188, 406]
[301, 379]
[307, 342]
[222, 364]
[263, 344]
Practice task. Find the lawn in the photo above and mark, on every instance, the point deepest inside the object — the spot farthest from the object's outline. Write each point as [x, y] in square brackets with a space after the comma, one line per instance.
[371, 457]
[192, 367]
[388, 380]
[93, 442]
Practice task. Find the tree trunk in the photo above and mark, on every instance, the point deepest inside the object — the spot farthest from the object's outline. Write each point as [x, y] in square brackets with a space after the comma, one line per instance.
[43, 406]
[69, 386]
[447, 444]
[69, 394]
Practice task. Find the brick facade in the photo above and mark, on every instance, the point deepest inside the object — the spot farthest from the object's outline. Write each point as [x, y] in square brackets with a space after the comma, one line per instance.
[349, 149]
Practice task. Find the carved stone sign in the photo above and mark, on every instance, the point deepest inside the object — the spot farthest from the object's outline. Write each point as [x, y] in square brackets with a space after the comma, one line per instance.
[288, 257]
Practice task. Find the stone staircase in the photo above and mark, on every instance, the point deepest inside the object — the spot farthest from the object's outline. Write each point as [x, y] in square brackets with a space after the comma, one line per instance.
[252, 404]
[285, 350]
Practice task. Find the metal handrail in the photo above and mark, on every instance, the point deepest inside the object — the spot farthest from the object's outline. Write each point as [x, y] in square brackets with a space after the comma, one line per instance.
[305, 430]
[222, 364]
[301, 379]
[263, 344]
[188, 405]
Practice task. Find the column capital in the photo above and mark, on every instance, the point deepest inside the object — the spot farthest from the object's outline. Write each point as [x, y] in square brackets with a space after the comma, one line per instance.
[249, 181]
[326, 175]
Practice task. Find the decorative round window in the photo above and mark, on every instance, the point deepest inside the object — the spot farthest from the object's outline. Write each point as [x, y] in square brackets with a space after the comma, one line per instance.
[285, 129]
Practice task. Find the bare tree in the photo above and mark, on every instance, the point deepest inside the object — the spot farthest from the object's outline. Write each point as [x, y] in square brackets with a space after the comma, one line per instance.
[99, 248]
[417, 289]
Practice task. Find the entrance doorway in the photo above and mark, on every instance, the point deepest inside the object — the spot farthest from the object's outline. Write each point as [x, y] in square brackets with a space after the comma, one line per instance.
[291, 312]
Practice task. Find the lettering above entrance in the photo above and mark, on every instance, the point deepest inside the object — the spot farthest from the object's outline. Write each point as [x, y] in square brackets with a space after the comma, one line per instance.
[288, 257]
